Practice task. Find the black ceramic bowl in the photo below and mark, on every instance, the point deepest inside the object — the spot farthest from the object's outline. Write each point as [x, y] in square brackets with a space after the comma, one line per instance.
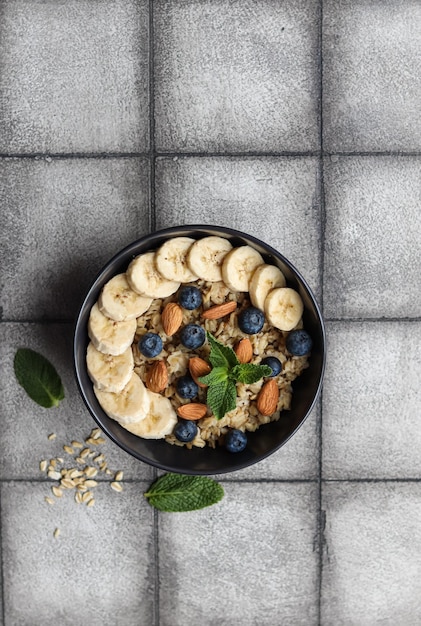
[268, 438]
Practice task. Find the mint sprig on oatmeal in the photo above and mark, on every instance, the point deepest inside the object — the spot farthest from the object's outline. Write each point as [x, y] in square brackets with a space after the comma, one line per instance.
[227, 371]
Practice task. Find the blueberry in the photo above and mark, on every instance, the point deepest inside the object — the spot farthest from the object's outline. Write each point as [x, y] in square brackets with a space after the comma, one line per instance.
[299, 342]
[150, 345]
[192, 336]
[274, 364]
[235, 440]
[251, 320]
[186, 387]
[185, 430]
[189, 298]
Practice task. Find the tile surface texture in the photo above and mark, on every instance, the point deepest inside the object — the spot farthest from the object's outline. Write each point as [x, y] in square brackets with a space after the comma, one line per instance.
[371, 75]
[74, 76]
[372, 554]
[371, 400]
[275, 570]
[236, 76]
[103, 554]
[298, 122]
[372, 243]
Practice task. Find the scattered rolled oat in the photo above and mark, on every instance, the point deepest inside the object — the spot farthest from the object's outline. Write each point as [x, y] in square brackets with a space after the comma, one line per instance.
[90, 483]
[54, 475]
[67, 483]
[81, 479]
[88, 495]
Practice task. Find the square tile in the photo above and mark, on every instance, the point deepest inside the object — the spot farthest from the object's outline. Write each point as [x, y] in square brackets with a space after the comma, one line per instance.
[61, 221]
[25, 426]
[275, 199]
[372, 401]
[74, 76]
[371, 75]
[372, 554]
[236, 76]
[372, 242]
[98, 571]
[298, 459]
[247, 560]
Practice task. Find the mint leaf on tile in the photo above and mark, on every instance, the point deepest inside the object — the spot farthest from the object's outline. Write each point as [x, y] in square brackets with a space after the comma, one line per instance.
[38, 377]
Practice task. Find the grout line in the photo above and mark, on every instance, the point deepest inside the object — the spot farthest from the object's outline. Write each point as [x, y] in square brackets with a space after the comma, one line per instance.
[230, 154]
[251, 481]
[377, 320]
[45, 156]
[373, 153]
[2, 568]
[40, 156]
[156, 558]
[321, 516]
[152, 155]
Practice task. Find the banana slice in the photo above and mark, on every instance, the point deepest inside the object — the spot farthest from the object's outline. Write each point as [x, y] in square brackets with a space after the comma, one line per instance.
[171, 260]
[265, 278]
[159, 422]
[238, 267]
[206, 256]
[130, 405]
[284, 308]
[107, 372]
[119, 302]
[109, 336]
[144, 278]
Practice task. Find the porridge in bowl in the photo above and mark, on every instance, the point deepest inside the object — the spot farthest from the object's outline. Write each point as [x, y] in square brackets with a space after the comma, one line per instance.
[197, 343]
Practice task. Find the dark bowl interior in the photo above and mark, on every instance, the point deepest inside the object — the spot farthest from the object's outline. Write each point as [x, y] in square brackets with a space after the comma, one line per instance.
[268, 438]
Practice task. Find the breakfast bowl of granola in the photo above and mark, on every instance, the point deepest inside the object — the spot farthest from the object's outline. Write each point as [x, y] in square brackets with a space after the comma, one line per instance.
[199, 349]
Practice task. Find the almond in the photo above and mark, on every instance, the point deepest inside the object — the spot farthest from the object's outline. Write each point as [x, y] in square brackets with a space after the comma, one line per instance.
[157, 377]
[268, 397]
[192, 411]
[171, 318]
[198, 367]
[219, 310]
[244, 350]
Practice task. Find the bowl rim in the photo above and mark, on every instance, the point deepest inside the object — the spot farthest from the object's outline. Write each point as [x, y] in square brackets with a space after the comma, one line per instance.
[166, 233]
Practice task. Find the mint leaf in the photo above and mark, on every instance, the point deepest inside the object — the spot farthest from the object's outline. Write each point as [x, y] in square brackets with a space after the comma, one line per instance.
[215, 376]
[175, 493]
[222, 398]
[250, 373]
[220, 355]
[38, 377]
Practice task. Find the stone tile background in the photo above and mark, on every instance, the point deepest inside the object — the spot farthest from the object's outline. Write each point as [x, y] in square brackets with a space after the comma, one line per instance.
[298, 122]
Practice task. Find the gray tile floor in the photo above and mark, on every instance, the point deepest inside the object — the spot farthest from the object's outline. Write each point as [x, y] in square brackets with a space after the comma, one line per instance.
[122, 116]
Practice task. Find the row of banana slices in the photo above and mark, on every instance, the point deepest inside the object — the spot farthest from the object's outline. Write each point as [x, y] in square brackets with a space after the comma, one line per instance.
[127, 296]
